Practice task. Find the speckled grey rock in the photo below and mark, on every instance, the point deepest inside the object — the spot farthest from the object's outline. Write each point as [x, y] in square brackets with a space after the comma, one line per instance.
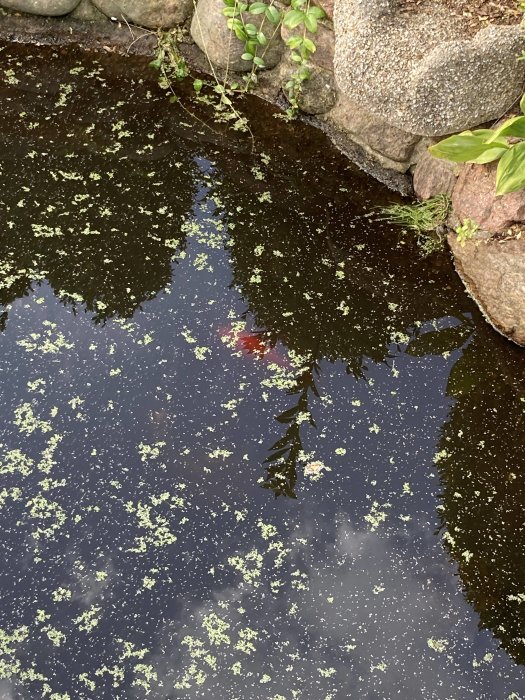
[210, 32]
[418, 72]
[494, 274]
[87, 12]
[147, 13]
[47, 8]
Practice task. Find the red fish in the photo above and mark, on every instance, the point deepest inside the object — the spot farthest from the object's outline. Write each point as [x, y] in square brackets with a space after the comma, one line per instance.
[251, 343]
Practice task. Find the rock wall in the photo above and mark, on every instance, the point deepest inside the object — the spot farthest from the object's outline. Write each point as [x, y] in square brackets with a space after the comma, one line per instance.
[384, 80]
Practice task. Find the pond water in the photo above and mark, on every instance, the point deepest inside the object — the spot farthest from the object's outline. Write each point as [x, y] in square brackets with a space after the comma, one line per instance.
[253, 446]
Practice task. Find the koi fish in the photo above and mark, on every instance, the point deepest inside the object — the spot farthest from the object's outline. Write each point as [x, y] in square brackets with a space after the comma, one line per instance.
[251, 344]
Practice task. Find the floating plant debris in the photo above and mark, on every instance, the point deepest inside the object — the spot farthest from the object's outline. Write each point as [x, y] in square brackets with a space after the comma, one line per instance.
[252, 445]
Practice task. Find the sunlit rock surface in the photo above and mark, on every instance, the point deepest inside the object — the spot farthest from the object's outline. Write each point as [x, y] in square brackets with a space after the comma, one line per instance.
[419, 72]
[493, 270]
[153, 13]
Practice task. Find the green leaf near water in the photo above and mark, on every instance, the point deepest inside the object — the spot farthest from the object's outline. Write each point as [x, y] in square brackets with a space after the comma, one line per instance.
[309, 46]
[310, 23]
[304, 74]
[522, 104]
[438, 342]
[511, 170]
[317, 12]
[247, 56]
[259, 61]
[294, 42]
[469, 147]
[197, 85]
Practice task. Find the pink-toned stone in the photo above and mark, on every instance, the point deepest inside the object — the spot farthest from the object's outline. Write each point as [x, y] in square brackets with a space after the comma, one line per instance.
[474, 197]
[434, 176]
[327, 6]
[493, 271]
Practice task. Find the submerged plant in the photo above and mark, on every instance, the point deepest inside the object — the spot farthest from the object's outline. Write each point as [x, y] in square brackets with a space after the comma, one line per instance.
[425, 219]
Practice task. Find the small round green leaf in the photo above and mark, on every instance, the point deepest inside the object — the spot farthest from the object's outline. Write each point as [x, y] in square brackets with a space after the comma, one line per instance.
[272, 14]
[310, 23]
[257, 8]
[293, 18]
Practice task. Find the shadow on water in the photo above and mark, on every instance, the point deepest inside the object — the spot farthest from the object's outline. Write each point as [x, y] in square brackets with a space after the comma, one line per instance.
[320, 276]
[482, 466]
[337, 298]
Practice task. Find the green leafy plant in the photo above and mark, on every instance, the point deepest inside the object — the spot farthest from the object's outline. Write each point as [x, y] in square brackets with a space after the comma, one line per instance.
[506, 144]
[487, 145]
[425, 219]
[302, 16]
[255, 40]
[169, 62]
[173, 68]
[466, 231]
[257, 37]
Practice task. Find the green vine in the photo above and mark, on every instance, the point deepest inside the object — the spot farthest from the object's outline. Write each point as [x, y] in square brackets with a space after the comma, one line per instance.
[257, 36]
[301, 15]
[173, 68]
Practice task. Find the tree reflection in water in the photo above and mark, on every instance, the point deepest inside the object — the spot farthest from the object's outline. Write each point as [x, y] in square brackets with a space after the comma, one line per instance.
[482, 466]
[349, 293]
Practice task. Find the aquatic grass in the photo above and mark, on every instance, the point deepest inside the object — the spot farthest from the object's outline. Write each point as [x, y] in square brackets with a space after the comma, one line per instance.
[425, 219]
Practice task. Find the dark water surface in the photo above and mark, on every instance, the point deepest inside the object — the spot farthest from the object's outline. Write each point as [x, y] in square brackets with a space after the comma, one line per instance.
[252, 445]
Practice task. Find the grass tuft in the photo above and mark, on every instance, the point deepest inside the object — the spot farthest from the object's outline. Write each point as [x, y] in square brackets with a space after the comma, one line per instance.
[425, 219]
